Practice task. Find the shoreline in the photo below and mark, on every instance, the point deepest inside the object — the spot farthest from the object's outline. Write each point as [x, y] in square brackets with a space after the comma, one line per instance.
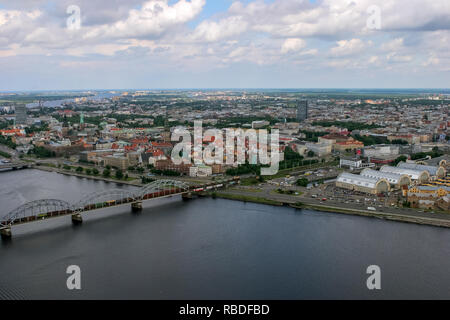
[339, 210]
[91, 177]
[435, 222]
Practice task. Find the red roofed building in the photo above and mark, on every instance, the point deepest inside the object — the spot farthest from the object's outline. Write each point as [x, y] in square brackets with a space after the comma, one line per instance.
[166, 147]
[341, 142]
[13, 132]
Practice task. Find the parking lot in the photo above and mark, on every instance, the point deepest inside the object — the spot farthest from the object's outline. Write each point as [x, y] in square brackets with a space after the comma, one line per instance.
[330, 192]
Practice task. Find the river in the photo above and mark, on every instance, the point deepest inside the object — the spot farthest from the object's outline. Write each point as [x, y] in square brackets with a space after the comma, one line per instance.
[211, 249]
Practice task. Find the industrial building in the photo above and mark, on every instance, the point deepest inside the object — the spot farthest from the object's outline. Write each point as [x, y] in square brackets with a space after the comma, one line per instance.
[434, 171]
[396, 180]
[420, 176]
[362, 183]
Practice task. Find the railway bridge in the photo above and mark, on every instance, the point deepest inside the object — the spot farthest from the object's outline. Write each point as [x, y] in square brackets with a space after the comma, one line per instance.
[50, 208]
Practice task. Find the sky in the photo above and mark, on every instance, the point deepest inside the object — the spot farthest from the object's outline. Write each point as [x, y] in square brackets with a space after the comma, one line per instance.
[164, 44]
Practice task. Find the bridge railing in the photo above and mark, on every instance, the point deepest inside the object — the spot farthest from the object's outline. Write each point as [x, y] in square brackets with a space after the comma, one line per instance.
[46, 208]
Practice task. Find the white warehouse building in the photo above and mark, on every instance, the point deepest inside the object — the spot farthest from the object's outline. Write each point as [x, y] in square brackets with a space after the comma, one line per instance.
[434, 171]
[396, 180]
[416, 175]
[362, 183]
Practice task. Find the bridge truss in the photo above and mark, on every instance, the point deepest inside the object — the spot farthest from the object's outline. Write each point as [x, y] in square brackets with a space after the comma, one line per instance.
[41, 209]
[34, 210]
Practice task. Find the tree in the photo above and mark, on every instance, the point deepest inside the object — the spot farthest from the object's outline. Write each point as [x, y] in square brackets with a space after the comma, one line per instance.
[399, 141]
[95, 171]
[88, 172]
[398, 160]
[106, 173]
[140, 170]
[303, 182]
[119, 174]
[79, 170]
[311, 154]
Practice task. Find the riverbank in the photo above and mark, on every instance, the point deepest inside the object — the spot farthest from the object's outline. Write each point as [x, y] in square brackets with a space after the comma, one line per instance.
[300, 204]
[135, 183]
[245, 198]
[380, 215]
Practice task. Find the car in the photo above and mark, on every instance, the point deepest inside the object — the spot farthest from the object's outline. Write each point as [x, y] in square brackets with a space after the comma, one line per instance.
[371, 209]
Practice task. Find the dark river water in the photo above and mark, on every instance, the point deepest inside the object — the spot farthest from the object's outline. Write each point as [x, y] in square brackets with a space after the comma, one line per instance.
[212, 249]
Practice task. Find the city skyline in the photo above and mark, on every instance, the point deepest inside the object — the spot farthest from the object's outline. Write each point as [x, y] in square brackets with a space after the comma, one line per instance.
[223, 44]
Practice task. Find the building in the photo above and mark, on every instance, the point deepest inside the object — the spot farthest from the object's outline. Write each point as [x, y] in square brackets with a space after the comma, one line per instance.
[396, 181]
[420, 176]
[443, 161]
[354, 163]
[169, 165]
[362, 183]
[260, 124]
[443, 203]
[438, 191]
[217, 168]
[12, 132]
[388, 151]
[21, 114]
[200, 171]
[321, 149]
[341, 142]
[302, 110]
[66, 148]
[134, 158]
[407, 137]
[116, 161]
[434, 171]
[95, 155]
[429, 197]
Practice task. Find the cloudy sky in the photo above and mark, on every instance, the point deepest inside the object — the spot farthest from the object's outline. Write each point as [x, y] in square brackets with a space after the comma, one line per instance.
[224, 44]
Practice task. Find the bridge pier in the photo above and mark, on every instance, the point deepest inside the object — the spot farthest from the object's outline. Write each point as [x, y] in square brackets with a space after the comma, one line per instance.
[187, 196]
[6, 233]
[136, 206]
[77, 219]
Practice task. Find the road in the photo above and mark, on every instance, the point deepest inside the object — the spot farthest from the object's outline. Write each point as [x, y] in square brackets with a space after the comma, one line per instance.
[269, 192]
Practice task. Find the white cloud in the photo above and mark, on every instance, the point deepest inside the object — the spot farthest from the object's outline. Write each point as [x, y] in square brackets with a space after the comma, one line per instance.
[347, 47]
[326, 33]
[213, 31]
[292, 45]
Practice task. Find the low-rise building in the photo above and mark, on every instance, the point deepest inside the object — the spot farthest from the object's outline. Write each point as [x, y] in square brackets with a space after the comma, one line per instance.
[396, 180]
[169, 165]
[200, 171]
[362, 183]
[117, 161]
[341, 142]
[260, 124]
[321, 149]
[434, 171]
[420, 176]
